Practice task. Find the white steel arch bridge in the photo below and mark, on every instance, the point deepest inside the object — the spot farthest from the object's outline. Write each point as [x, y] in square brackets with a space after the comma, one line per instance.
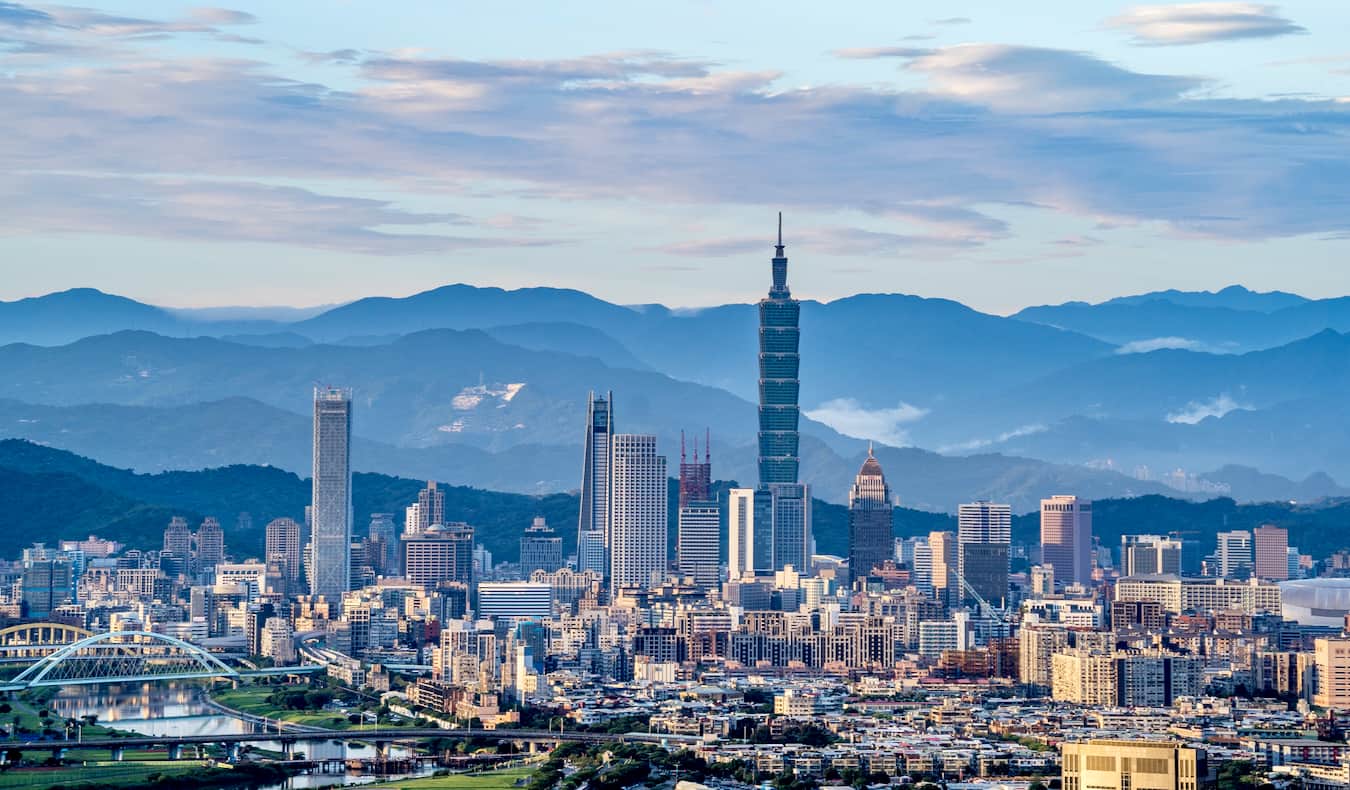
[133, 657]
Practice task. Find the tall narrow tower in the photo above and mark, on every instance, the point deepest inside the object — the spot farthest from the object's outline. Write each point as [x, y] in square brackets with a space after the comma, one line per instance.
[869, 519]
[331, 544]
[779, 385]
[593, 540]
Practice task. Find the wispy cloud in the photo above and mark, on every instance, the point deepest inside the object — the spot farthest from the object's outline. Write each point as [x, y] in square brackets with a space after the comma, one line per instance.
[849, 417]
[1159, 343]
[1202, 23]
[981, 443]
[1195, 411]
[227, 211]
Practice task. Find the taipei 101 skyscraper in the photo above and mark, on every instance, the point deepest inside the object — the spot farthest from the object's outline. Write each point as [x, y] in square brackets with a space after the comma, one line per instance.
[773, 530]
[779, 335]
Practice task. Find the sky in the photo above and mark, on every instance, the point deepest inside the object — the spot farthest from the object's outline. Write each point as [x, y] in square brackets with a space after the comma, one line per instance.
[1001, 154]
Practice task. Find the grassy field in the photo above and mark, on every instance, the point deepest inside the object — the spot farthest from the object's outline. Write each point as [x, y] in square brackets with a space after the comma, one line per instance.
[128, 773]
[488, 780]
[253, 699]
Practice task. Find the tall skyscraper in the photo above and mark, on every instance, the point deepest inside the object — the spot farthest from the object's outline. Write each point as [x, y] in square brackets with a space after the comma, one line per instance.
[282, 547]
[331, 542]
[945, 579]
[427, 510]
[1270, 549]
[210, 544]
[984, 546]
[442, 553]
[781, 501]
[749, 544]
[383, 539]
[540, 548]
[593, 527]
[697, 551]
[637, 511]
[1235, 553]
[1066, 538]
[178, 538]
[1149, 555]
[869, 519]
[779, 337]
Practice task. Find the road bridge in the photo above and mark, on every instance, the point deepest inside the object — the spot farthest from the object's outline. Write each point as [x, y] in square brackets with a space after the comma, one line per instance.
[382, 737]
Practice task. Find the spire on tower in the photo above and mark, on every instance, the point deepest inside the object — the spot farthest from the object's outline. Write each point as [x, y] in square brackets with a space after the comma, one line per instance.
[779, 246]
[682, 447]
[707, 446]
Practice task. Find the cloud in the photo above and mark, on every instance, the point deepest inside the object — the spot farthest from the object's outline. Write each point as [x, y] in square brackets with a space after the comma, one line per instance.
[953, 20]
[1202, 23]
[987, 126]
[15, 15]
[873, 53]
[847, 416]
[225, 211]
[977, 444]
[1040, 79]
[1158, 343]
[1195, 411]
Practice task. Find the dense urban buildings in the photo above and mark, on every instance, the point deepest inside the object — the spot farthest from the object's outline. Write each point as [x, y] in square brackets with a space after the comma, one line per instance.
[952, 649]
[331, 536]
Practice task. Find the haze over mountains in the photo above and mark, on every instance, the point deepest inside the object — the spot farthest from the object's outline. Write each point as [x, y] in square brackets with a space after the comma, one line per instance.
[487, 387]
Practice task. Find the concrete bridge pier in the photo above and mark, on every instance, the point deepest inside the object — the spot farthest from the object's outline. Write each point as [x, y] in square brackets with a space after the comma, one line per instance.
[232, 752]
[288, 749]
[118, 754]
[381, 750]
[175, 751]
[59, 753]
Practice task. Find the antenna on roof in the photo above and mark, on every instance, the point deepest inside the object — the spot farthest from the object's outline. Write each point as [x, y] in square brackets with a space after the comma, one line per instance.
[779, 246]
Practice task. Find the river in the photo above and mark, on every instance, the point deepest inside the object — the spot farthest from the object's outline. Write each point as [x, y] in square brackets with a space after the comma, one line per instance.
[176, 709]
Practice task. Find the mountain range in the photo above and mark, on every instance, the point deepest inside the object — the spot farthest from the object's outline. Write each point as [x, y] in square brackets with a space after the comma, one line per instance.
[487, 387]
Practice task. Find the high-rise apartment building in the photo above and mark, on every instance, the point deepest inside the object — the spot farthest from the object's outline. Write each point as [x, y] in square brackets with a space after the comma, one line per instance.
[945, 578]
[442, 553]
[540, 548]
[984, 548]
[178, 538]
[638, 521]
[1066, 538]
[779, 337]
[331, 541]
[282, 547]
[47, 584]
[1149, 555]
[210, 544]
[1234, 552]
[697, 549]
[869, 519]
[1270, 551]
[593, 539]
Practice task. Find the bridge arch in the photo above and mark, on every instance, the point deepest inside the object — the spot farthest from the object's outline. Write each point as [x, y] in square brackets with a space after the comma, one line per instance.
[44, 634]
[123, 657]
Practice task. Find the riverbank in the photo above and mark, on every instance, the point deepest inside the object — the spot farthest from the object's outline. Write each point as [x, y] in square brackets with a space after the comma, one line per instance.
[507, 779]
[250, 702]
